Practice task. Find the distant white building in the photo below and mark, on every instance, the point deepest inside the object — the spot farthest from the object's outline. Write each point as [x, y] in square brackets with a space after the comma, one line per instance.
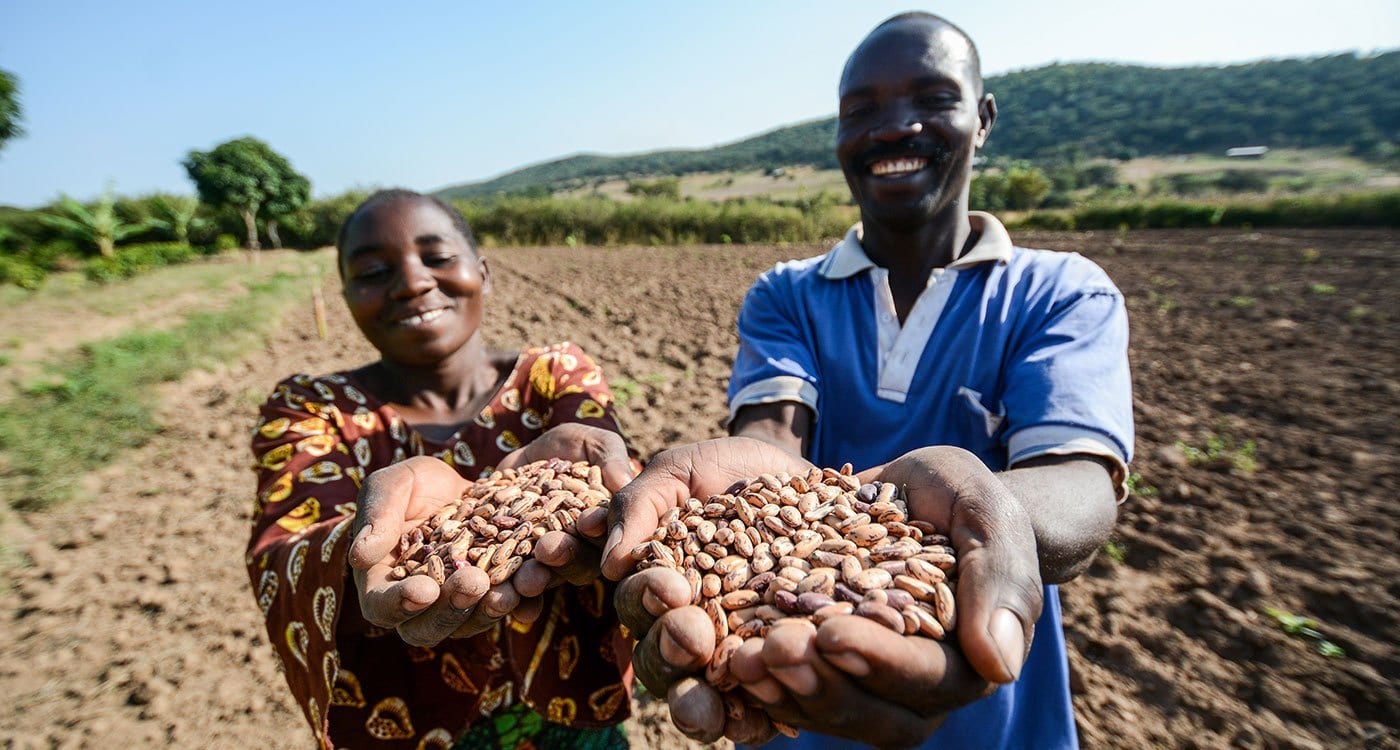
[1246, 152]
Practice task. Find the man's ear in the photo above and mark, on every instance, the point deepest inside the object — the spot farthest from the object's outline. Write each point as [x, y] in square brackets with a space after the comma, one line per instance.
[987, 114]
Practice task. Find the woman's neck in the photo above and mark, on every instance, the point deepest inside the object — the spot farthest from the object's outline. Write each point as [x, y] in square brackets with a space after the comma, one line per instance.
[445, 388]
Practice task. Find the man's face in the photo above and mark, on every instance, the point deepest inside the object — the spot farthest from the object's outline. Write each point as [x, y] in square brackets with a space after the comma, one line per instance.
[911, 117]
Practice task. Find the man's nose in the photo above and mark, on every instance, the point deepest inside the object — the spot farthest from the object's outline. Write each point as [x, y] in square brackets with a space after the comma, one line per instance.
[900, 124]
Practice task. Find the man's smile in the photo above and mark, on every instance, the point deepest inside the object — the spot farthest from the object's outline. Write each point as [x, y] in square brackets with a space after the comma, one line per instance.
[897, 167]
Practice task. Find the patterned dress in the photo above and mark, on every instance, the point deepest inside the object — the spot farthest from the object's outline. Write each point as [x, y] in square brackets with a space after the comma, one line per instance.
[363, 686]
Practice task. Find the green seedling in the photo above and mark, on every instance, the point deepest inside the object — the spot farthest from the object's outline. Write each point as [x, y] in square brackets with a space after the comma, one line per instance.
[1322, 289]
[1139, 487]
[1305, 628]
[1115, 550]
[1221, 450]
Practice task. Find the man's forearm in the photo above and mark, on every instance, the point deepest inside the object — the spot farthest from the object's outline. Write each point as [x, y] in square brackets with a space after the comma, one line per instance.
[1072, 508]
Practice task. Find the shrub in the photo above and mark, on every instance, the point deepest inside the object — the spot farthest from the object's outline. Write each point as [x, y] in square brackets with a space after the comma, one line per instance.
[135, 259]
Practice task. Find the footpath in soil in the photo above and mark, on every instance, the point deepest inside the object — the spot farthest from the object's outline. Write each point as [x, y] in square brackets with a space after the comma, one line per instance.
[130, 621]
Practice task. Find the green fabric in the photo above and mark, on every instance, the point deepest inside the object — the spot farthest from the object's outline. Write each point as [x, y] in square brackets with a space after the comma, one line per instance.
[519, 728]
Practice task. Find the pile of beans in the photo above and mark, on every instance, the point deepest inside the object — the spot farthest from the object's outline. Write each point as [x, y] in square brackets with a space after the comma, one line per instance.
[499, 518]
[812, 547]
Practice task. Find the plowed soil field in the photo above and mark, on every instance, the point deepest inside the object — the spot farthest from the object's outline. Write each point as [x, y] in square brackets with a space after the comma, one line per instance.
[1275, 355]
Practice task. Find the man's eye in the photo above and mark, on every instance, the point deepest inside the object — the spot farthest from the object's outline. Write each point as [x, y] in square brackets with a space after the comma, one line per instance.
[937, 101]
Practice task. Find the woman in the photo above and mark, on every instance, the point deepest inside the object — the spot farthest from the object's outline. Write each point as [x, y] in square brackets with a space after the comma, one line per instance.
[410, 664]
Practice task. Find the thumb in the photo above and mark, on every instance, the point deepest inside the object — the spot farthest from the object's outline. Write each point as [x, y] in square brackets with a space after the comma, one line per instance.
[636, 511]
[996, 610]
[383, 504]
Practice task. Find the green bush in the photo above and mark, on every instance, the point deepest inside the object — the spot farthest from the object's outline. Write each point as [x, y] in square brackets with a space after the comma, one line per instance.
[20, 272]
[135, 259]
[1374, 209]
[651, 221]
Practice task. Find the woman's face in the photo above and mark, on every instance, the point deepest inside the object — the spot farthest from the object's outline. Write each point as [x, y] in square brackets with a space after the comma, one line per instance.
[414, 286]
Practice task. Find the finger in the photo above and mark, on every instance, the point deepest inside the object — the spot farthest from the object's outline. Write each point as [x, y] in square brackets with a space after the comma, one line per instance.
[461, 593]
[394, 499]
[696, 709]
[751, 727]
[635, 512]
[529, 609]
[680, 643]
[643, 597]
[913, 672]
[592, 524]
[747, 666]
[615, 465]
[382, 507]
[387, 603]
[534, 578]
[575, 561]
[499, 601]
[818, 695]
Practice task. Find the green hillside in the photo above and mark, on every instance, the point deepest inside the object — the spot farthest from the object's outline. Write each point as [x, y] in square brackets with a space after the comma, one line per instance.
[1083, 110]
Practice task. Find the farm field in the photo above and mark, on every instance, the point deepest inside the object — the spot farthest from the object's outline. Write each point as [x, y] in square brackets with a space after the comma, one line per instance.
[1267, 384]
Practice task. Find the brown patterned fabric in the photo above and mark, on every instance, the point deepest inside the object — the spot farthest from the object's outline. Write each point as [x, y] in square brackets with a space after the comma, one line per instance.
[362, 686]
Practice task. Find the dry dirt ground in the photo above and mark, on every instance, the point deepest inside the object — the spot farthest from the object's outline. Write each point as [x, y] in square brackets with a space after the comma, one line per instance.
[130, 622]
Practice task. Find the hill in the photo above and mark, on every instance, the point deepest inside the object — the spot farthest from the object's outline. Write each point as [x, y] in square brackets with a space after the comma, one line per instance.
[1082, 110]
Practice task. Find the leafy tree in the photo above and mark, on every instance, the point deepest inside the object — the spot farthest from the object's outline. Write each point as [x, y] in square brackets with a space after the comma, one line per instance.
[178, 215]
[10, 111]
[243, 174]
[287, 199]
[99, 226]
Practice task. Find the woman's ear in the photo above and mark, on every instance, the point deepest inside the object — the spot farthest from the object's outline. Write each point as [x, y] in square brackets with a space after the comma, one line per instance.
[485, 274]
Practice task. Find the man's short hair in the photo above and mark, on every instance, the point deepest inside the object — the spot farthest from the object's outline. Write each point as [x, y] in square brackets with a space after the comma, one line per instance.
[920, 15]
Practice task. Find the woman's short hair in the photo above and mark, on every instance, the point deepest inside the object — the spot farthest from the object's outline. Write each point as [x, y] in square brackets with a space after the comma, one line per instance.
[382, 196]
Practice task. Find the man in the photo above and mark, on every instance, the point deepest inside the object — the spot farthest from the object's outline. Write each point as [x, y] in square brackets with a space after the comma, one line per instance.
[994, 380]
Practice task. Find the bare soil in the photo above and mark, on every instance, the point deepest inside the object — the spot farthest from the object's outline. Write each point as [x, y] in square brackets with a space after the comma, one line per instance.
[129, 621]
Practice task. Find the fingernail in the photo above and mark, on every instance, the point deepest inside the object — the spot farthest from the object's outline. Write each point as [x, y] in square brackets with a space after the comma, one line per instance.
[849, 662]
[614, 538]
[800, 678]
[461, 602]
[766, 691]
[1005, 630]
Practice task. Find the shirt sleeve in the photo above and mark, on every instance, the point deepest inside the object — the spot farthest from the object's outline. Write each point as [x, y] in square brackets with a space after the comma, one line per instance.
[307, 483]
[775, 361]
[1068, 387]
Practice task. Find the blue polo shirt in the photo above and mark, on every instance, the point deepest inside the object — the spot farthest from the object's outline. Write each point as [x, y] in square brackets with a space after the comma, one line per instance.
[1009, 353]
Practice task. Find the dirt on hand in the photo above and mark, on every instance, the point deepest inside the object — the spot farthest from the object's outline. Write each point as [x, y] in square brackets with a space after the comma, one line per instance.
[1265, 376]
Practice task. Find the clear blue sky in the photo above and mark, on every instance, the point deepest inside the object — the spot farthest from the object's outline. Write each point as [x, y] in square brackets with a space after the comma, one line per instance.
[428, 94]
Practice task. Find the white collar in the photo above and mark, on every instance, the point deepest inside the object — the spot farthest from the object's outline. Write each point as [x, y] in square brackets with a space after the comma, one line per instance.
[848, 258]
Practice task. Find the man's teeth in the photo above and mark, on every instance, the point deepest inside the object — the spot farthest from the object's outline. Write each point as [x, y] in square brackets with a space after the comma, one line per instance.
[897, 166]
[418, 320]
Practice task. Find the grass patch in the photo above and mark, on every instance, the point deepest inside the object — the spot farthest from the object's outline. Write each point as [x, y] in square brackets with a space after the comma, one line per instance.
[97, 403]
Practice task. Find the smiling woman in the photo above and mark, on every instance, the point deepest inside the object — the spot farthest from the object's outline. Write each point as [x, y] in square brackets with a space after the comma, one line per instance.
[375, 662]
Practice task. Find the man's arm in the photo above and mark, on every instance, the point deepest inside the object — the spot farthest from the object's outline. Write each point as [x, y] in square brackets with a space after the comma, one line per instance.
[1072, 508]
[784, 424]
[1069, 499]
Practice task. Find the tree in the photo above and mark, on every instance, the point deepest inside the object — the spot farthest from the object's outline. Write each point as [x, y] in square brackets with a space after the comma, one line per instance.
[177, 214]
[100, 226]
[286, 198]
[10, 111]
[244, 174]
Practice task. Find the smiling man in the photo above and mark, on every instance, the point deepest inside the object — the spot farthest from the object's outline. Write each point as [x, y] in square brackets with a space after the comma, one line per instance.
[989, 381]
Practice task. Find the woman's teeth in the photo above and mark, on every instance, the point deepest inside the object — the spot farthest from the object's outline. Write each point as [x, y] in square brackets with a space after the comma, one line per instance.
[886, 167]
[418, 320]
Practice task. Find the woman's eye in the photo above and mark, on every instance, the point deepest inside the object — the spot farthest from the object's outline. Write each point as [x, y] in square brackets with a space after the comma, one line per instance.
[438, 260]
[370, 273]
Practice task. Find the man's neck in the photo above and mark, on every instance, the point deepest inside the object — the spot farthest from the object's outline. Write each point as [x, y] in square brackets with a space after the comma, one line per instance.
[910, 255]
